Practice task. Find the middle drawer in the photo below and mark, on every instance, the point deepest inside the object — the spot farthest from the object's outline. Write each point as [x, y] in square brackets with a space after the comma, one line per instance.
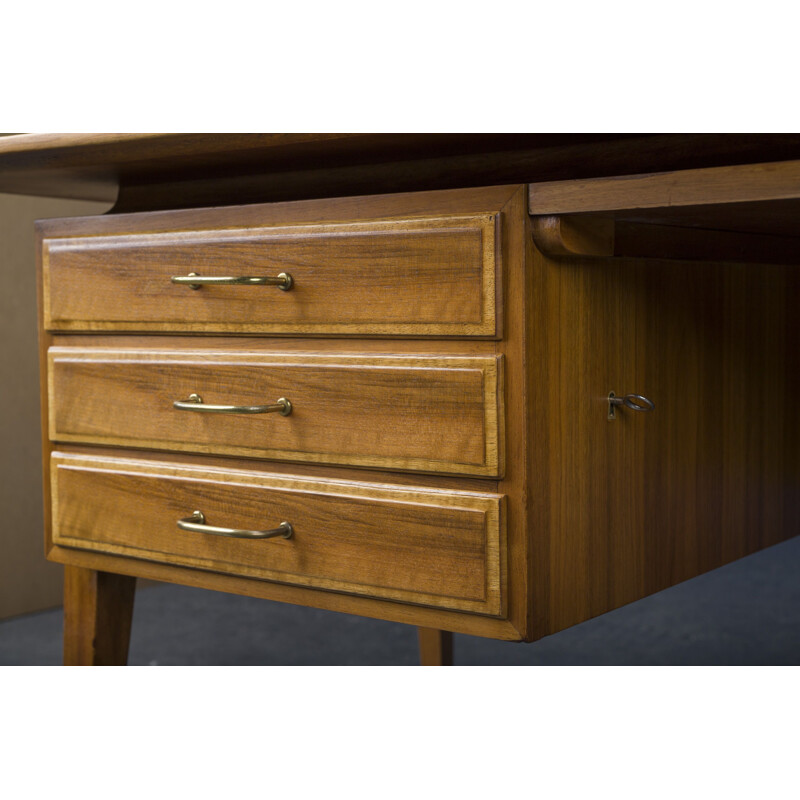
[420, 413]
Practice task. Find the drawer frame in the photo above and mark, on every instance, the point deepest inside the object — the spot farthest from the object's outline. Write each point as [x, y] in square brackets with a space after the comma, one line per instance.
[491, 506]
[490, 367]
[512, 282]
[218, 227]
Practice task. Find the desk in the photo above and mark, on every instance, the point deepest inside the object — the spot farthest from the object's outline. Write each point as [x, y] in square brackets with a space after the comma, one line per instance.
[529, 380]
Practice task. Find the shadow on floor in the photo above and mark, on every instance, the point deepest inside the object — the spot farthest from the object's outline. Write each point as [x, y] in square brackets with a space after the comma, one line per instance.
[745, 613]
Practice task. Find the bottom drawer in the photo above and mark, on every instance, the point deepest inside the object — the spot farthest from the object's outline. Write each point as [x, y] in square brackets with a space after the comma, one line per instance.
[417, 545]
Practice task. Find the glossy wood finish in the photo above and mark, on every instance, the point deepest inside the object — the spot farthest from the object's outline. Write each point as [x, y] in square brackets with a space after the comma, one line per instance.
[405, 613]
[421, 546]
[597, 513]
[574, 235]
[151, 171]
[492, 200]
[711, 474]
[630, 507]
[460, 622]
[767, 236]
[98, 609]
[423, 276]
[452, 163]
[729, 184]
[736, 213]
[420, 413]
[95, 165]
[435, 647]
[520, 354]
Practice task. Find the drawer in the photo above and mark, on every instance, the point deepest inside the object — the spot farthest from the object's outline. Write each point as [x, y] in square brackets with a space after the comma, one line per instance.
[429, 276]
[423, 546]
[422, 413]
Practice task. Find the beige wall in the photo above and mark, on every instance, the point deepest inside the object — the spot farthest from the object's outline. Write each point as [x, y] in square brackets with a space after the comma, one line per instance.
[27, 581]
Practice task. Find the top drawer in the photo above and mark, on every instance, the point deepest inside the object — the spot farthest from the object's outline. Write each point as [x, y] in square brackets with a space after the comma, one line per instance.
[406, 275]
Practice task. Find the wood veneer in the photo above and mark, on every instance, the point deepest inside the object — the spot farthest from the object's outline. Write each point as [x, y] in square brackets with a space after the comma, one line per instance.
[422, 276]
[598, 513]
[149, 171]
[509, 218]
[735, 213]
[630, 507]
[416, 545]
[98, 611]
[426, 413]
[743, 183]
[435, 647]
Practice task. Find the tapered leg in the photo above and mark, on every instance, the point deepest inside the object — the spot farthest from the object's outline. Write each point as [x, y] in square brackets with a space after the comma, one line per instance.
[435, 647]
[98, 608]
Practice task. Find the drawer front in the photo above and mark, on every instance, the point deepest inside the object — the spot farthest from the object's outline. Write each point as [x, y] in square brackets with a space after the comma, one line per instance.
[432, 414]
[415, 545]
[403, 277]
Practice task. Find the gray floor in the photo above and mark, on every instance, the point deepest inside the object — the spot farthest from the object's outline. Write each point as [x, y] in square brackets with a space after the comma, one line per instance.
[745, 613]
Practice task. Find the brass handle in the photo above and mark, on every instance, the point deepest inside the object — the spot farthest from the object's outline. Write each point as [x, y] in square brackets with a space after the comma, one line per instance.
[283, 281]
[197, 524]
[195, 403]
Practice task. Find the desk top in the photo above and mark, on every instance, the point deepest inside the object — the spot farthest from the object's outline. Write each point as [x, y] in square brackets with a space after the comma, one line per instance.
[288, 166]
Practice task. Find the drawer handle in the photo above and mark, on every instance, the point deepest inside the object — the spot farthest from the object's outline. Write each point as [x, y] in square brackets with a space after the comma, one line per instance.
[283, 281]
[197, 524]
[195, 403]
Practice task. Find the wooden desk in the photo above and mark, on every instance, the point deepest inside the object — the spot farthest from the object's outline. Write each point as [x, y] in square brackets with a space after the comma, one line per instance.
[473, 335]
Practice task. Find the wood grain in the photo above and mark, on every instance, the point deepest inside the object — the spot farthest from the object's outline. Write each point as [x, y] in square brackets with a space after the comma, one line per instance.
[740, 183]
[98, 610]
[405, 613]
[630, 507]
[537, 159]
[521, 356]
[322, 471]
[574, 235]
[470, 202]
[433, 276]
[421, 546]
[705, 233]
[475, 202]
[430, 414]
[190, 170]
[435, 647]
[597, 514]
[265, 345]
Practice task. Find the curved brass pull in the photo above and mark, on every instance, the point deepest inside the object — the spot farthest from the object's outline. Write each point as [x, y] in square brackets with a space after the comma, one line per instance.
[197, 524]
[195, 403]
[283, 281]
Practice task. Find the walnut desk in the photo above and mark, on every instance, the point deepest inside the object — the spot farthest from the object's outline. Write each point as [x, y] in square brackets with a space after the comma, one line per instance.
[485, 384]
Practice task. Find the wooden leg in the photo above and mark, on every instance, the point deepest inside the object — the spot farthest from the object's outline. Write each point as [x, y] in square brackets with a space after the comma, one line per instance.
[435, 647]
[98, 608]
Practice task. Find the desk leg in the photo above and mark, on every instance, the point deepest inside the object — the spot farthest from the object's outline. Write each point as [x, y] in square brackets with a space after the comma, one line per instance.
[435, 647]
[98, 608]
